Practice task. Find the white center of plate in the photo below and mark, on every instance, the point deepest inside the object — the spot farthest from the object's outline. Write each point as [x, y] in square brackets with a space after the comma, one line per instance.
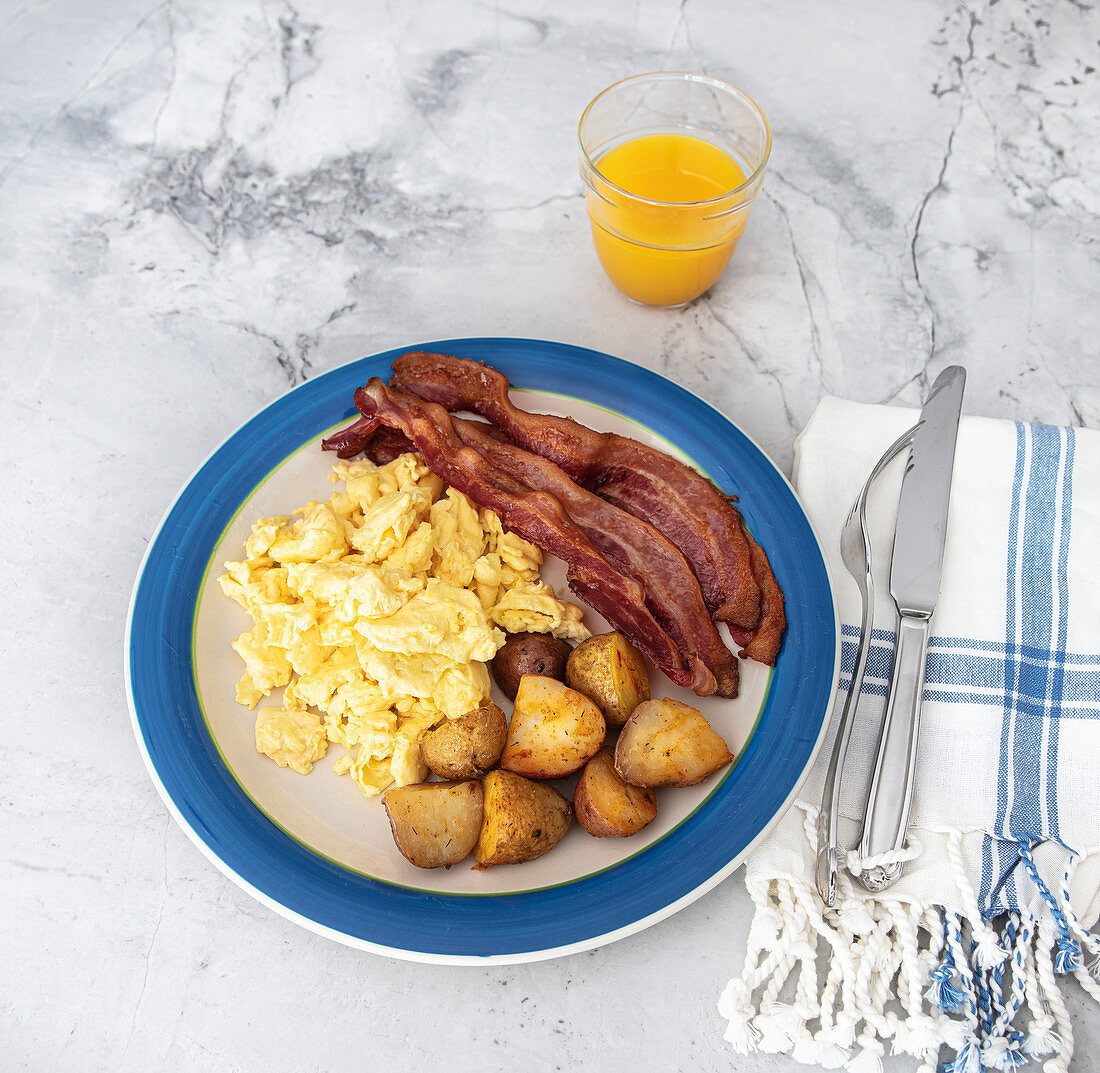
[327, 813]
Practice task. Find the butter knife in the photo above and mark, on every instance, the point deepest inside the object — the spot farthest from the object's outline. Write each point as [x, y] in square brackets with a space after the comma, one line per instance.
[919, 538]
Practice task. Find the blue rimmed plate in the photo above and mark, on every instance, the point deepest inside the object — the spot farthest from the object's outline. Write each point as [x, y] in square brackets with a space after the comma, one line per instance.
[311, 847]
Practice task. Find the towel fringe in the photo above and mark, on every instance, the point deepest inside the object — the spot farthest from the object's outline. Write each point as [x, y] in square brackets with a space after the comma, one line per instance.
[916, 980]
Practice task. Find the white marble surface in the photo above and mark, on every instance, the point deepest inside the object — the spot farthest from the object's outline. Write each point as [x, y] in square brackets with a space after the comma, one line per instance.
[205, 203]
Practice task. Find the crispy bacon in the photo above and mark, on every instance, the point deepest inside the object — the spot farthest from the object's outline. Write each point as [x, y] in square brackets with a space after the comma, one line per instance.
[763, 643]
[634, 548]
[533, 515]
[387, 444]
[348, 442]
[648, 483]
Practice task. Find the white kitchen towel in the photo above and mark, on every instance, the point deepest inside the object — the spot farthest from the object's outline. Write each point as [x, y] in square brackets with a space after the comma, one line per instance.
[963, 960]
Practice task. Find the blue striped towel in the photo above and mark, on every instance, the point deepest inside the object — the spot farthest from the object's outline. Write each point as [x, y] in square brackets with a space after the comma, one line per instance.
[962, 962]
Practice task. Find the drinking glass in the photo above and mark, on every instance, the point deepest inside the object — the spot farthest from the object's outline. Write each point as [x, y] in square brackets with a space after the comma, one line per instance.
[671, 163]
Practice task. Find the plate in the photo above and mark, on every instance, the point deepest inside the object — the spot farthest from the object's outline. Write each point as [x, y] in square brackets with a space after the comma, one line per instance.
[313, 848]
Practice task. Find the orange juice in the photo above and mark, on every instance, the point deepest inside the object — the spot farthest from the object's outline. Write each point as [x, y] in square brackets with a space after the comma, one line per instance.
[663, 224]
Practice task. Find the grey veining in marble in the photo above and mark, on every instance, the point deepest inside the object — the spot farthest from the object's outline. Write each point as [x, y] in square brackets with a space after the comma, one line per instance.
[205, 203]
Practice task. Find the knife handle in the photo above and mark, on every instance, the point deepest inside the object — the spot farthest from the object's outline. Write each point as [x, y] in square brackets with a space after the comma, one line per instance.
[891, 794]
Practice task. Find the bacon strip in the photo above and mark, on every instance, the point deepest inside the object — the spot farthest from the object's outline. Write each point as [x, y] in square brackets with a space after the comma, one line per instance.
[763, 643]
[348, 442]
[648, 483]
[533, 515]
[634, 548]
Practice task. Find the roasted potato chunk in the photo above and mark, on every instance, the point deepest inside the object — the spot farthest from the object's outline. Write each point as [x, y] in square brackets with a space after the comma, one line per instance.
[466, 747]
[554, 730]
[435, 824]
[610, 670]
[606, 806]
[529, 653]
[666, 743]
[522, 819]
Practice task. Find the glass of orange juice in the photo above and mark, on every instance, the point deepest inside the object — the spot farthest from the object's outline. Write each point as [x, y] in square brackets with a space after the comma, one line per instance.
[671, 163]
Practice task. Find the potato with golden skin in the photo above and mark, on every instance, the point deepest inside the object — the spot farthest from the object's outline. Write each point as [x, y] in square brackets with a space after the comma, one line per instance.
[529, 653]
[667, 743]
[522, 819]
[435, 824]
[554, 730]
[610, 670]
[608, 807]
[466, 747]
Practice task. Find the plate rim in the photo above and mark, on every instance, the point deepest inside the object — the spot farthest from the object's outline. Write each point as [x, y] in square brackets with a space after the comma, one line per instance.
[537, 953]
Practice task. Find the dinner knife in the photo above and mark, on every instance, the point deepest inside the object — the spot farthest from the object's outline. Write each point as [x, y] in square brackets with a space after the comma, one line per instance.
[919, 538]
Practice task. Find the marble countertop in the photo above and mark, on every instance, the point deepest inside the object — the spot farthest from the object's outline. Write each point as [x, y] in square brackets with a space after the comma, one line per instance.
[205, 204]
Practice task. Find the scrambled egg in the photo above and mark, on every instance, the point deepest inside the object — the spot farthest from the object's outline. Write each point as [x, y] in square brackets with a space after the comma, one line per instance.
[376, 613]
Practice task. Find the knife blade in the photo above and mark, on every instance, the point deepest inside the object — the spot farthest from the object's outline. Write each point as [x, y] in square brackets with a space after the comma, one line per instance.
[920, 535]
